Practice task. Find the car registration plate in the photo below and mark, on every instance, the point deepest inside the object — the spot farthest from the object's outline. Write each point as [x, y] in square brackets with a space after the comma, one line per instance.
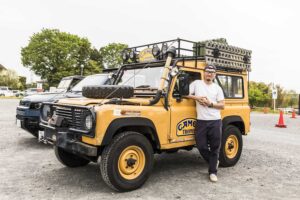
[18, 123]
[20, 112]
[41, 135]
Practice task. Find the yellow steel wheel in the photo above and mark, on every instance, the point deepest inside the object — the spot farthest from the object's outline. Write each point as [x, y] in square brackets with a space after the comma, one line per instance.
[231, 146]
[131, 162]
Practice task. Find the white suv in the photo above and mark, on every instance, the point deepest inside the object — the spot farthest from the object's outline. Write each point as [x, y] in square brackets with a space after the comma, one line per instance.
[5, 91]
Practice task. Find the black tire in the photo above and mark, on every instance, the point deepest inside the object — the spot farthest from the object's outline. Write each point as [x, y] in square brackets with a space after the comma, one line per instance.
[69, 159]
[233, 149]
[107, 91]
[111, 171]
[34, 132]
[31, 130]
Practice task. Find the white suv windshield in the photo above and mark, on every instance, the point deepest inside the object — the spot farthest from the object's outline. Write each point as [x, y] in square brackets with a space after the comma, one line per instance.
[64, 84]
[147, 77]
[91, 80]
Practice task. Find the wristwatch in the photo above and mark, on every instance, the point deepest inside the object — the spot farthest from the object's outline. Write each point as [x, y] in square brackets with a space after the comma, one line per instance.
[211, 105]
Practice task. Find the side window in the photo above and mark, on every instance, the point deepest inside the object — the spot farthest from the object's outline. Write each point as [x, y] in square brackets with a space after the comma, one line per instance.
[231, 85]
[192, 76]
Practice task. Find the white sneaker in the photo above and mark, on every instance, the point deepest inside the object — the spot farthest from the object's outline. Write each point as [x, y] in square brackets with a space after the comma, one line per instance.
[213, 177]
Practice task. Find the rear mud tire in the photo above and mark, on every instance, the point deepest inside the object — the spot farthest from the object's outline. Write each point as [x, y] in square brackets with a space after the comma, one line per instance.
[107, 91]
[231, 148]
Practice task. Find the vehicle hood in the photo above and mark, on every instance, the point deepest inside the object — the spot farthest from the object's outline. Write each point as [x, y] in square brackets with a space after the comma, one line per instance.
[51, 97]
[83, 101]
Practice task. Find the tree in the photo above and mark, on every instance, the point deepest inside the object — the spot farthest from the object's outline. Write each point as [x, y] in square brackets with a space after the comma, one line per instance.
[10, 79]
[259, 94]
[52, 55]
[22, 80]
[95, 60]
[95, 56]
[111, 55]
[290, 99]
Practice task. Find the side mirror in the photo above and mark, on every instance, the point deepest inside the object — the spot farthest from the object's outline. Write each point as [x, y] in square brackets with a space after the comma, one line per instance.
[183, 84]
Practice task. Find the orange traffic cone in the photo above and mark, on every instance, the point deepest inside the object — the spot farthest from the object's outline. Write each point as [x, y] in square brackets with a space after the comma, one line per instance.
[280, 121]
[293, 114]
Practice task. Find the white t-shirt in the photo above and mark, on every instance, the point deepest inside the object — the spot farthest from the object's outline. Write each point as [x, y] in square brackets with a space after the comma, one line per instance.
[213, 92]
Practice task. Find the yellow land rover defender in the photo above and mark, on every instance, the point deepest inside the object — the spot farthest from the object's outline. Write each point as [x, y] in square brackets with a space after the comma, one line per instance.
[145, 111]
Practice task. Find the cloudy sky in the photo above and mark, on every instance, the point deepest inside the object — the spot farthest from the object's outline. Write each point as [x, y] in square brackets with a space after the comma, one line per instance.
[269, 28]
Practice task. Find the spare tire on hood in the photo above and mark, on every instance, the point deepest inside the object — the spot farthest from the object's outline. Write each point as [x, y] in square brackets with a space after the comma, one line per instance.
[107, 91]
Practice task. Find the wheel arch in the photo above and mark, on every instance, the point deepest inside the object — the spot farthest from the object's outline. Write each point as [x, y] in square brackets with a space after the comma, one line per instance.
[236, 121]
[138, 124]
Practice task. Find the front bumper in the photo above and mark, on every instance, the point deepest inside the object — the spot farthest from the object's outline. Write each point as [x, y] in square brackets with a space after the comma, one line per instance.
[29, 117]
[65, 139]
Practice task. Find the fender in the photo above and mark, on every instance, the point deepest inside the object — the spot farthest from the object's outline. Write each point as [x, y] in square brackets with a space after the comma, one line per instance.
[117, 124]
[235, 120]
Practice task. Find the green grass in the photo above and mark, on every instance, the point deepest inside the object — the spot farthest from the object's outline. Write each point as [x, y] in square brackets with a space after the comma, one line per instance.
[2, 97]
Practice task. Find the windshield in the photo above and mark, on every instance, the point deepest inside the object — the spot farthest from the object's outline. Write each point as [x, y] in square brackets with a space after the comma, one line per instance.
[64, 84]
[147, 77]
[91, 80]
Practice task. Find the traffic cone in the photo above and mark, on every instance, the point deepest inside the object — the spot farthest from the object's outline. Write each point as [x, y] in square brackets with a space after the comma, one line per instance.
[293, 114]
[280, 121]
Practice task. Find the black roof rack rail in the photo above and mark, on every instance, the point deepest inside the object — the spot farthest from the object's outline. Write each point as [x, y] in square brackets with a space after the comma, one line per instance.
[184, 48]
[215, 51]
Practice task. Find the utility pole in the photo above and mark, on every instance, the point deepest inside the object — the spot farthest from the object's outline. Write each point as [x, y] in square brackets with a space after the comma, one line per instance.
[81, 69]
[274, 96]
[299, 105]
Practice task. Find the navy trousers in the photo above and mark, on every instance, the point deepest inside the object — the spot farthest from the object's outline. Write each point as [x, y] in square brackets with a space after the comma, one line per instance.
[208, 134]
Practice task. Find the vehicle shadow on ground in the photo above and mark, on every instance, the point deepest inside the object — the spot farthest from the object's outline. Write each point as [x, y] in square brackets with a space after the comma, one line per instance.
[33, 143]
[187, 160]
[88, 178]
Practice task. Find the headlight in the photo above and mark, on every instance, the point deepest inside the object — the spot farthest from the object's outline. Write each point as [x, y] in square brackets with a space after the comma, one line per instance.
[125, 55]
[46, 112]
[35, 105]
[132, 55]
[155, 51]
[164, 49]
[88, 122]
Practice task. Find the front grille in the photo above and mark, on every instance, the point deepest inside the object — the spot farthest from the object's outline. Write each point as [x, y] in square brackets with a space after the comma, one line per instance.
[75, 116]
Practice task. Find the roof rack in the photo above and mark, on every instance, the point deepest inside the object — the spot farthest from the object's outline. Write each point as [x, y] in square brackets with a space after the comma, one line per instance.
[216, 51]
[184, 48]
[219, 53]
